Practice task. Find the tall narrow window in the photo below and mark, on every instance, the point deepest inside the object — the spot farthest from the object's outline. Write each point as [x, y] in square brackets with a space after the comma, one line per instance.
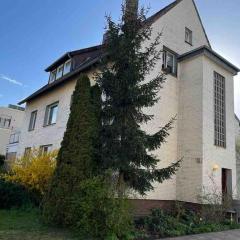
[67, 67]
[188, 36]
[59, 72]
[51, 114]
[27, 152]
[32, 121]
[169, 62]
[219, 111]
[52, 77]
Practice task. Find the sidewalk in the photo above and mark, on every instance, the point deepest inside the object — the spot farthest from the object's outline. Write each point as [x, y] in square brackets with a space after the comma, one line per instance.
[228, 235]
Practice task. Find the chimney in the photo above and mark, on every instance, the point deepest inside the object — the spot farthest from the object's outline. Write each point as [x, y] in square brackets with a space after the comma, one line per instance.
[105, 38]
[131, 10]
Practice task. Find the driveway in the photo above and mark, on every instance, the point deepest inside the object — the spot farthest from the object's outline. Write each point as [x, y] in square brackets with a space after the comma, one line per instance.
[228, 235]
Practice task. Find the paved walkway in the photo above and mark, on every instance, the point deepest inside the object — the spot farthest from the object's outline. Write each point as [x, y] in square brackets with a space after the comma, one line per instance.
[228, 235]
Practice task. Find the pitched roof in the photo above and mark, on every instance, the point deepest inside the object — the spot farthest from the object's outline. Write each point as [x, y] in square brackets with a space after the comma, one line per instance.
[67, 55]
[94, 59]
[163, 11]
[212, 55]
[85, 66]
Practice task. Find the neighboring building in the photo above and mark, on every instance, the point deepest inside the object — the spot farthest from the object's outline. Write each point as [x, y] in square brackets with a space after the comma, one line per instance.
[237, 127]
[199, 90]
[12, 146]
[11, 118]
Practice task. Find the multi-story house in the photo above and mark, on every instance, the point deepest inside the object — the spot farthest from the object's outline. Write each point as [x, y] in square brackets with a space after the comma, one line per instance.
[198, 89]
[11, 119]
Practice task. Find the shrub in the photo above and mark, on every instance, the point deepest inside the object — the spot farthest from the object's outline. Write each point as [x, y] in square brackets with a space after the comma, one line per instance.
[77, 156]
[2, 160]
[161, 223]
[96, 214]
[214, 206]
[13, 195]
[33, 171]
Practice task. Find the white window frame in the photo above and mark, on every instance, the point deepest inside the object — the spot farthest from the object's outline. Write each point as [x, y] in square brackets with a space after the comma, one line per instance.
[53, 76]
[65, 64]
[58, 71]
[219, 110]
[188, 36]
[27, 151]
[167, 52]
[14, 138]
[45, 148]
[48, 117]
[32, 122]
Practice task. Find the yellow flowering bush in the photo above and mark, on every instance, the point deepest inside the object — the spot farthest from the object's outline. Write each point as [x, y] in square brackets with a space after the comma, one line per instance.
[33, 171]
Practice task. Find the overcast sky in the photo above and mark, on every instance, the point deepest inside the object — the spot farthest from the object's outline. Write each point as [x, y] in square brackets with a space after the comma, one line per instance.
[34, 33]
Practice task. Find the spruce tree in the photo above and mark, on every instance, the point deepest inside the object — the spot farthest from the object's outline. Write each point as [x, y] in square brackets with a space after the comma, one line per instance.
[75, 160]
[126, 148]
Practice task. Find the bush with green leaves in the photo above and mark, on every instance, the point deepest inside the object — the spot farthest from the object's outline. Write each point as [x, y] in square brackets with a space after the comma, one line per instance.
[161, 223]
[13, 195]
[97, 214]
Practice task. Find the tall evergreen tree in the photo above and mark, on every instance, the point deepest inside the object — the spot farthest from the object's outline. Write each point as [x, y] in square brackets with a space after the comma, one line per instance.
[75, 161]
[126, 148]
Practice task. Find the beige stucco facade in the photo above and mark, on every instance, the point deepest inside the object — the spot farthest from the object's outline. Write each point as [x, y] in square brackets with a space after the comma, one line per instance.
[188, 96]
[237, 131]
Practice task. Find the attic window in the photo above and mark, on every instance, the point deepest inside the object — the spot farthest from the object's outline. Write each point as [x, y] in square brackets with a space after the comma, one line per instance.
[188, 36]
[59, 71]
[52, 77]
[67, 67]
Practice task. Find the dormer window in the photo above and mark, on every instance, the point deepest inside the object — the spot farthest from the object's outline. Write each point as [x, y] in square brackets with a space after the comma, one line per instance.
[188, 36]
[52, 77]
[60, 71]
[67, 67]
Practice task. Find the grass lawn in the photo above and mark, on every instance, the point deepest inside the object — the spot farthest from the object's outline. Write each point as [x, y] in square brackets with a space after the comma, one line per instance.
[26, 225]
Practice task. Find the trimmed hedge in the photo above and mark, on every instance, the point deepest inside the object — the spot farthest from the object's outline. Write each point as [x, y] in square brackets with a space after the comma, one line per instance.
[13, 195]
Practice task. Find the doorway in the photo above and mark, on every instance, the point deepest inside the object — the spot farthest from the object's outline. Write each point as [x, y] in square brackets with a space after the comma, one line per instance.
[226, 184]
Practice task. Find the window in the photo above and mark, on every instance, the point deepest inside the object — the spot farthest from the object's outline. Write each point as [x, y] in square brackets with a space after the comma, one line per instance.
[32, 121]
[169, 62]
[52, 77]
[11, 156]
[14, 138]
[27, 152]
[59, 72]
[67, 67]
[219, 111]
[45, 148]
[51, 114]
[188, 36]
[5, 122]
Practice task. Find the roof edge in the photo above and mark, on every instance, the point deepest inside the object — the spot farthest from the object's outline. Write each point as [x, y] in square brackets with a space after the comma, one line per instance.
[208, 51]
[60, 81]
[237, 118]
[69, 54]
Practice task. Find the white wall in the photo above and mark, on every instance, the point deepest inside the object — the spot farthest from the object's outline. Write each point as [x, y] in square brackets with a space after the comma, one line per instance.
[50, 134]
[223, 157]
[172, 26]
[189, 177]
[16, 122]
